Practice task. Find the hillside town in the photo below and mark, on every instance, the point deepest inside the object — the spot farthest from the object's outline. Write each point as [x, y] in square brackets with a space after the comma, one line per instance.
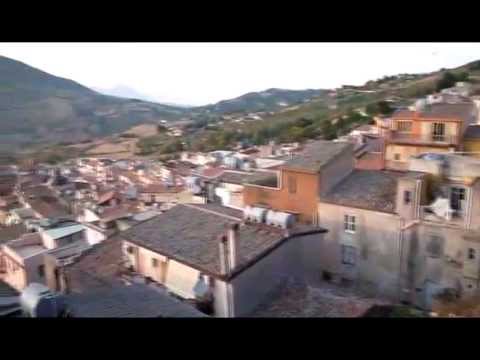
[386, 215]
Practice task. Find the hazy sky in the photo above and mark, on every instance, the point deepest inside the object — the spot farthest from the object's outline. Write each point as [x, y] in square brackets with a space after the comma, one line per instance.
[201, 73]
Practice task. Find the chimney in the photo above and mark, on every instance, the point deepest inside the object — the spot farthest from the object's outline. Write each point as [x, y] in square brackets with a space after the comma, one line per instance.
[222, 246]
[232, 237]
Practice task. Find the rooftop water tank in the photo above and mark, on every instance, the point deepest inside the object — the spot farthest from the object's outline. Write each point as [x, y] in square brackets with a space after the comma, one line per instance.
[231, 162]
[270, 218]
[420, 104]
[193, 184]
[255, 214]
[37, 300]
[280, 219]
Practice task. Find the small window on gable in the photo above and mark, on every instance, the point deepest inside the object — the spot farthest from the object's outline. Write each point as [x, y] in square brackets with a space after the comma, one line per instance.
[154, 262]
[471, 254]
[396, 157]
[41, 271]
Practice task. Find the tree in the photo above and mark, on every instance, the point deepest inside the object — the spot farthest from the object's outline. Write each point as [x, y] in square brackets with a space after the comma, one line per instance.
[384, 108]
[463, 76]
[448, 80]
[475, 65]
[328, 130]
[303, 122]
[161, 128]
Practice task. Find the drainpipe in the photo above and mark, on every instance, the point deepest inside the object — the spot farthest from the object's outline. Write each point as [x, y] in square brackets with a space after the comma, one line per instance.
[400, 256]
[469, 208]
[232, 238]
[418, 193]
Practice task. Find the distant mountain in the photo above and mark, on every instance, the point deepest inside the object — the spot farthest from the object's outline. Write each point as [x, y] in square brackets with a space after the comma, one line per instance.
[38, 107]
[268, 100]
[124, 91]
[127, 92]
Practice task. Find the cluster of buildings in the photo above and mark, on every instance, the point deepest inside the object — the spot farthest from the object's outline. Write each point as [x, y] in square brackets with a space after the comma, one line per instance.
[390, 210]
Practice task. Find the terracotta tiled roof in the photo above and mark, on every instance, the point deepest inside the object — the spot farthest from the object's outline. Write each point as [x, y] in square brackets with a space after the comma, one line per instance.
[211, 172]
[190, 234]
[137, 300]
[106, 196]
[98, 267]
[315, 155]
[368, 189]
[48, 207]
[12, 232]
[158, 188]
[460, 112]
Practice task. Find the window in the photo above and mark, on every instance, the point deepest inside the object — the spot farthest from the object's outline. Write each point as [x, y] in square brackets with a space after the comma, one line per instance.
[404, 126]
[349, 255]
[130, 249]
[456, 197]
[438, 131]
[471, 254]
[349, 223]
[407, 197]
[292, 184]
[41, 271]
[396, 157]
[154, 262]
[326, 276]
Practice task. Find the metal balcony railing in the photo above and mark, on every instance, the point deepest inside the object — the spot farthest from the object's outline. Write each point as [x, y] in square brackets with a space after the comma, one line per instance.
[452, 216]
[398, 137]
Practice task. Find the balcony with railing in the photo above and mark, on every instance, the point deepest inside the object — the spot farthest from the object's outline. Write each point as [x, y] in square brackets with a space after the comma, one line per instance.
[396, 137]
[451, 217]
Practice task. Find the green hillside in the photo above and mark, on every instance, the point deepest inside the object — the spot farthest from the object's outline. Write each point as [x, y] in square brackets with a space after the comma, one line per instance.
[268, 100]
[36, 107]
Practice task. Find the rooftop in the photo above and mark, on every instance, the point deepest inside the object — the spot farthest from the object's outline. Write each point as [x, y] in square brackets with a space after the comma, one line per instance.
[11, 232]
[367, 189]
[210, 172]
[316, 155]
[70, 250]
[297, 299]
[38, 191]
[243, 177]
[108, 195]
[98, 267]
[26, 251]
[190, 234]
[9, 300]
[371, 144]
[6, 290]
[135, 300]
[158, 188]
[23, 213]
[462, 111]
[58, 233]
[123, 210]
[48, 207]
